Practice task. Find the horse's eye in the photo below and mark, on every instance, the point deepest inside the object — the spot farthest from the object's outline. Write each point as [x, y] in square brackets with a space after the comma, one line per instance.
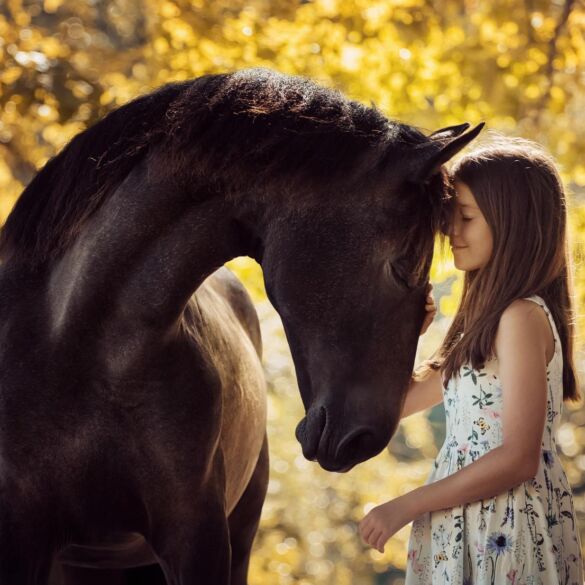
[400, 276]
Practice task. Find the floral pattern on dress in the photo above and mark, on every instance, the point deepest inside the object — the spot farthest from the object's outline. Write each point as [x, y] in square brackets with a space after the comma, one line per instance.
[526, 536]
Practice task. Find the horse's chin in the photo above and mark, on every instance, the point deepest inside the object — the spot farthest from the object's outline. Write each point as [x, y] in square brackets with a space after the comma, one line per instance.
[337, 468]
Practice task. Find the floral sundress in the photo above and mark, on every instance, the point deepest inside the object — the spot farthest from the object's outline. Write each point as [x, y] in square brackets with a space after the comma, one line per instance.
[525, 536]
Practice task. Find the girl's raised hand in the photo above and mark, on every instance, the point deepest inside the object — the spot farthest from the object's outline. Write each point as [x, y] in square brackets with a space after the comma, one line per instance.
[430, 308]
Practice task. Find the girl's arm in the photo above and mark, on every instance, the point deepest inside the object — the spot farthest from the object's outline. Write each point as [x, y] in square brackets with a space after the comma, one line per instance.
[422, 395]
[521, 350]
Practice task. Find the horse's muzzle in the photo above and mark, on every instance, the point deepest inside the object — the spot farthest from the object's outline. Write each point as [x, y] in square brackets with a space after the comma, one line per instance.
[318, 444]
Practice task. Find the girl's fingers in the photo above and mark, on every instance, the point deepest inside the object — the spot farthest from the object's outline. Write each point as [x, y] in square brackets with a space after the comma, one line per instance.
[429, 317]
[373, 540]
[380, 542]
[367, 532]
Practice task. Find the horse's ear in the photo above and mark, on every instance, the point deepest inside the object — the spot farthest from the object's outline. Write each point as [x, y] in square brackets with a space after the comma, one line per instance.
[444, 145]
[450, 131]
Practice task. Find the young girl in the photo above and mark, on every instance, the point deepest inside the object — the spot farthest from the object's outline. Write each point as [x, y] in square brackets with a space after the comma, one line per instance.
[497, 507]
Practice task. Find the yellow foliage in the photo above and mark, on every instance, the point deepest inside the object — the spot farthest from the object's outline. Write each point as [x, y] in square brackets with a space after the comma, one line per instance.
[51, 6]
[10, 75]
[6, 204]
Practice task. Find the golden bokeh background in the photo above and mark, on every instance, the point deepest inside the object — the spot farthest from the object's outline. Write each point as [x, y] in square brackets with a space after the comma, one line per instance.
[519, 65]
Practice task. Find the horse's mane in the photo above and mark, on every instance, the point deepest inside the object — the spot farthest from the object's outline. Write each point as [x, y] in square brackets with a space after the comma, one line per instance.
[241, 130]
[75, 182]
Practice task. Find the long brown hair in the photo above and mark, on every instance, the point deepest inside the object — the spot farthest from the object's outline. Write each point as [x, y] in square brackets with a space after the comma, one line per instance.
[520, 194]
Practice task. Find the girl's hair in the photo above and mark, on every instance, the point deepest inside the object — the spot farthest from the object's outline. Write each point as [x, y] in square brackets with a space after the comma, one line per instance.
[521, 196]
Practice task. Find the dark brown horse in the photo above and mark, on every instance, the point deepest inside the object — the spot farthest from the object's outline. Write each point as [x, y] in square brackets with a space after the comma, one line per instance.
[132, 397]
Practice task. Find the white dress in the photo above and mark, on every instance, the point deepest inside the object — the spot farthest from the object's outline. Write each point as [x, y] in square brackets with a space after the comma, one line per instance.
[525, 536]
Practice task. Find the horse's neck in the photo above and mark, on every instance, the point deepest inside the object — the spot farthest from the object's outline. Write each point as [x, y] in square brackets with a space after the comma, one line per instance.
[140, 257]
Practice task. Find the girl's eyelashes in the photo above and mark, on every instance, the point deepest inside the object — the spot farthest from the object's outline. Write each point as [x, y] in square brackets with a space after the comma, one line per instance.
[464, 217]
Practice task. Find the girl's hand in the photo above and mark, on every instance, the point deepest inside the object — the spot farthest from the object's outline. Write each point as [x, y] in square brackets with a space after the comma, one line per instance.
[430, 308]
[385, 520]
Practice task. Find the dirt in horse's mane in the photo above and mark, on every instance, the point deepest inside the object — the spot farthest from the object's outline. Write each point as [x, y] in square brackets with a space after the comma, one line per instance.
[251, 130]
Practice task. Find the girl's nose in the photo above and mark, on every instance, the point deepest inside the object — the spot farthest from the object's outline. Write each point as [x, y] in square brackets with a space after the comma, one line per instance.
[453, 228]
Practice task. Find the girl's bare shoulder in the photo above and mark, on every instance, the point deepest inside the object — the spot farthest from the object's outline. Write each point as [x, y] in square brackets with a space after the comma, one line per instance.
[524, 321]
[522, 312]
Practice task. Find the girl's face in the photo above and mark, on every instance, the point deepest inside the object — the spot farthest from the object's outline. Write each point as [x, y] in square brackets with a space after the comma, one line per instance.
[470, 235]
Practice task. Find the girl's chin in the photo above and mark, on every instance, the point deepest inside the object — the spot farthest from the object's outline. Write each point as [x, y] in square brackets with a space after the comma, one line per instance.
[460, 265]
[465, 267]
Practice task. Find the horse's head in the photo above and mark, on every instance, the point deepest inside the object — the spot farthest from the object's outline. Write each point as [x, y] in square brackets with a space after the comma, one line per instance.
[347, 273]
[341, 207]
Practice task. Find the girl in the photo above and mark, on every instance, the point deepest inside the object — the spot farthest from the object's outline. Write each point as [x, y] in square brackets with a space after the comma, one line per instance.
[497, 507]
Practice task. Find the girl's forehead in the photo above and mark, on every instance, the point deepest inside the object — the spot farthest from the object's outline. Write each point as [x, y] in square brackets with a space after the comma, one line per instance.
[464, 196]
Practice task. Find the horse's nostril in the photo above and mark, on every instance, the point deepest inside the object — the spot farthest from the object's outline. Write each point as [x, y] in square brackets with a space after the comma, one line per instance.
[310, 431]
[356, 443]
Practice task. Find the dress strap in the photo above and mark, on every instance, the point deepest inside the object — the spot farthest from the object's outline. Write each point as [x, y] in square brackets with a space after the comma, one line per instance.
[540, 301]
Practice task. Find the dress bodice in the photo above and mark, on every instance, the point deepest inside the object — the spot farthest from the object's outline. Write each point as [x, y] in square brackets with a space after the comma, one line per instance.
[473, 402]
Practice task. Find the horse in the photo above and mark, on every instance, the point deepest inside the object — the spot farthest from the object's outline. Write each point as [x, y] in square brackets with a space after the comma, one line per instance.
[132, 393]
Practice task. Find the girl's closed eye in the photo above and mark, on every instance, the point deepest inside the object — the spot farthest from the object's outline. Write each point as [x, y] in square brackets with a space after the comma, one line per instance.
[464, 217]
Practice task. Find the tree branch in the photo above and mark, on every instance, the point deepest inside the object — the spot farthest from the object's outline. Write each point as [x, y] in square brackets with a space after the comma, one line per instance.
[552, 53]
